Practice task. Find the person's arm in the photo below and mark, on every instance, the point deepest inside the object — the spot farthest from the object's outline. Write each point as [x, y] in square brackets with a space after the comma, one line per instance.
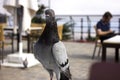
[102, 33]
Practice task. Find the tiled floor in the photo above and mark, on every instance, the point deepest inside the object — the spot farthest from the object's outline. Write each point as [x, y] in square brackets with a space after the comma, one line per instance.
[80, 63]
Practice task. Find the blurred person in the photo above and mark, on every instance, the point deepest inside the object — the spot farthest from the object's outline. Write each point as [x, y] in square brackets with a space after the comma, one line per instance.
[103, 27]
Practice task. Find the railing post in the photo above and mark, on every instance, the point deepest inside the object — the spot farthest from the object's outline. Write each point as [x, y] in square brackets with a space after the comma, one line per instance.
[81, 37]
[72, 26]
[89, 27]
[119, 26]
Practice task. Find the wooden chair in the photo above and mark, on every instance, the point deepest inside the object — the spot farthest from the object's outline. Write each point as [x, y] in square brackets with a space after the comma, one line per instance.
[34, 34]
[60, 29]
[2, 41]
[97, 44]
[104, 71]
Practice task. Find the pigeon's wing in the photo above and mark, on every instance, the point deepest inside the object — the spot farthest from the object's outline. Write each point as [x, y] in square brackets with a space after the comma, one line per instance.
[60, 55]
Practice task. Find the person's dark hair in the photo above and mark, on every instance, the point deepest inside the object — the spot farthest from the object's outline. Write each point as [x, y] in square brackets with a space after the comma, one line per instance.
[107, 14]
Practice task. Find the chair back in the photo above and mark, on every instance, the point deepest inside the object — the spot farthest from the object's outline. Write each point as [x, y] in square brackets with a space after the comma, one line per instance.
[97, 36]
[97, 43]
[60, 29]
[95, 27]
[2, 25]
[37, 32]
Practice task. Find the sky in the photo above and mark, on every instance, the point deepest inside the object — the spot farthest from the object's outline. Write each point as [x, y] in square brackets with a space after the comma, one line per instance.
[83, 7]
[79, 7]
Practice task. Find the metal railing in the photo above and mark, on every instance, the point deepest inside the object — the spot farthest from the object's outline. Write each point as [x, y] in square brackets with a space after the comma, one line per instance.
[83, 27]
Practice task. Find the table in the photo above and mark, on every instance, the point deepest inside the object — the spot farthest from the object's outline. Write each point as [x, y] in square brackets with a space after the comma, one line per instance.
[113, 42]
[17, 34]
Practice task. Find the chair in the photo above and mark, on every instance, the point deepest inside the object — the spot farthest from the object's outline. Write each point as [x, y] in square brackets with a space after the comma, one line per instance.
[34, 34]
[97, 44]
[1, 41]
[60, 29]
[104, 71]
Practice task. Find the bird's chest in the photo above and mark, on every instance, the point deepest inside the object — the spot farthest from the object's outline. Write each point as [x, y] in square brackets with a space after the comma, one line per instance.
[45, 55]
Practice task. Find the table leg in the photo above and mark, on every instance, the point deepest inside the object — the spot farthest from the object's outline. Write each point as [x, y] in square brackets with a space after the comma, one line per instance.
[103, 53]
[28, 44]
[18, 41]
[12, 42]
[116, 54]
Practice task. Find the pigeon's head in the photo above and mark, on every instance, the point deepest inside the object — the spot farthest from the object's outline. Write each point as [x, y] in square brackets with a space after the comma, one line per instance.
[50, 33]
[50, 15]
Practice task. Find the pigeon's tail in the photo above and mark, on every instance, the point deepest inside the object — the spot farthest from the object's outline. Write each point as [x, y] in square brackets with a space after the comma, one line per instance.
[65, 75]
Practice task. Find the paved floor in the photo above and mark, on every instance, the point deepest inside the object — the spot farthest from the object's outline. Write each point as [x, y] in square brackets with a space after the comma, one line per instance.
[80, 63]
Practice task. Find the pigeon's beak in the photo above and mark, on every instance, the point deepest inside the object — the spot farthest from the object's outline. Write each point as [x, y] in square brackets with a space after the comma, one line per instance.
[47, 18]
[47, 15]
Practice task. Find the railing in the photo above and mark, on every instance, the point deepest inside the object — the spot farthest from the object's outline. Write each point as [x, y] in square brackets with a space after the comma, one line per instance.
[83, 27]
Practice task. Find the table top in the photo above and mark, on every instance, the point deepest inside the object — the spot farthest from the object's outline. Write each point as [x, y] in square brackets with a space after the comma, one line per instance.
[9, 29]
[31, 28]
[113, 40]
[35, 28]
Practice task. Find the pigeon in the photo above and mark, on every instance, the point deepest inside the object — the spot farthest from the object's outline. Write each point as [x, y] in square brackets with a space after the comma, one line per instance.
[50, 51]
[25, 63]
